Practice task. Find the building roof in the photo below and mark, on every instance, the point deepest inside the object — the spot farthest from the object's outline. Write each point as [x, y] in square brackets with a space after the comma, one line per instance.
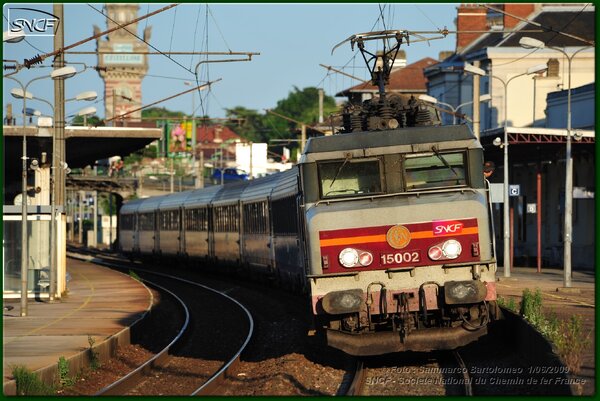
[455, 62]
[591, 87]
[206, 134]
[573, 20]
[408, 79]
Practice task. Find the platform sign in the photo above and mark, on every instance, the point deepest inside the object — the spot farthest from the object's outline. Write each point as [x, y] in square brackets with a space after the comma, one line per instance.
[531, 208]
[497, 193]
[514, 190]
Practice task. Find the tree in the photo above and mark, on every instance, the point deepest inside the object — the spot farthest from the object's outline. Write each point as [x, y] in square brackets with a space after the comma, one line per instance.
[92, 120]
[154, 112]
[301, 105]
[251, 126]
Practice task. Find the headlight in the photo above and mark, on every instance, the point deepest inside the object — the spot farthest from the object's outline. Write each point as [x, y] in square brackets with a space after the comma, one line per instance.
[450, 249]
[350, 257]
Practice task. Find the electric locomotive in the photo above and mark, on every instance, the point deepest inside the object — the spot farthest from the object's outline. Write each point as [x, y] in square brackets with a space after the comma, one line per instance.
[385, 227]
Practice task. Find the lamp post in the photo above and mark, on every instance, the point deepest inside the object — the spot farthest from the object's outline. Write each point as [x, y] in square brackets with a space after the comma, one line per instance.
[531, 43]
[430, 99]
[87, 96]
[87, 111]
[507, 234]
[60, 73]
[13, 37]
[194, 172]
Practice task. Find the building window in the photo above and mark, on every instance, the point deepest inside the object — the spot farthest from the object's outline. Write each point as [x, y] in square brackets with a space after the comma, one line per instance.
[553, 67]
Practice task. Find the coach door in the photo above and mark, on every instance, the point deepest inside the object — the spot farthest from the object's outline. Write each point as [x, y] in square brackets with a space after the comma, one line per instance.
[156, 218]
[211, 231]
[182, 224]
[135, 226]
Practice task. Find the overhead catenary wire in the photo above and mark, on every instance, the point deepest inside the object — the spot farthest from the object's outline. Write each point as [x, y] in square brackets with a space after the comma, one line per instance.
[173, 29]
[204, 45]
[160, 53]
[546, 28]
[195, 33]
[217, 26]
[426, 16]
[41, 57]
[552, 38]
[163, 100]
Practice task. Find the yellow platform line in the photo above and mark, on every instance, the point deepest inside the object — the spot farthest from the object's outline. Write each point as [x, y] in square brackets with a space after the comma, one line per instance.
[83, 305]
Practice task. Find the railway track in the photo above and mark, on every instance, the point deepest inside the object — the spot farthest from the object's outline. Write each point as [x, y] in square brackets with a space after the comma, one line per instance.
[436, 373]
[183, 365]
[283, 360]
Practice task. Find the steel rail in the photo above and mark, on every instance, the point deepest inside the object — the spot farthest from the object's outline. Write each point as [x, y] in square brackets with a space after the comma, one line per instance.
[356, 387]
[208, 387]
[135, 376]
[468, 385]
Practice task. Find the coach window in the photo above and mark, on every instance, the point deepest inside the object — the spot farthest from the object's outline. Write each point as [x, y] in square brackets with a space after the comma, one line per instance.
[437, 170]
[349, 178]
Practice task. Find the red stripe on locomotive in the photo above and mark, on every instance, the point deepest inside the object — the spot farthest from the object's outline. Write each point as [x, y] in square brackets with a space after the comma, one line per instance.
[422, 237]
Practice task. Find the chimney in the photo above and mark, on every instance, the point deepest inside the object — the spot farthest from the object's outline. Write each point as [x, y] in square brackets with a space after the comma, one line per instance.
[470, 17]
[9, 114]
[399, 61]
[522, 10]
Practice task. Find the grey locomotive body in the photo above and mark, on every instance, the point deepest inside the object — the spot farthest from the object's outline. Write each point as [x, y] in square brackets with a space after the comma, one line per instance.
[387, 232]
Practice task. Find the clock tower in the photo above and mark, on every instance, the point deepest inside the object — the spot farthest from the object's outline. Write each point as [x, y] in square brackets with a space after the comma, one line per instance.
[125, 67]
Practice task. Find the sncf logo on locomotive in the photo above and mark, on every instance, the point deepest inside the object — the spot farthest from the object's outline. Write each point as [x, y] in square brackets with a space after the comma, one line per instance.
[446, 227]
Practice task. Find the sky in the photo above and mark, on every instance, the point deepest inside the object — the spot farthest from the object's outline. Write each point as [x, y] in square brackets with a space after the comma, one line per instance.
[292, 39]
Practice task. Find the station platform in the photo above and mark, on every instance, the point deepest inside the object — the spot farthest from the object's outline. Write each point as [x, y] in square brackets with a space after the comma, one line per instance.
[100, 306]
[579, 299]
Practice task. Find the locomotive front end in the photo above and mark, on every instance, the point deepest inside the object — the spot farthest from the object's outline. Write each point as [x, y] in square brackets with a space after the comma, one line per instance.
[399, 243]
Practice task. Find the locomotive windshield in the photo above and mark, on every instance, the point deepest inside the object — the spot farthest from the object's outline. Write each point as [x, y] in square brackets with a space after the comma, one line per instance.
[437, 170]
[349, 177]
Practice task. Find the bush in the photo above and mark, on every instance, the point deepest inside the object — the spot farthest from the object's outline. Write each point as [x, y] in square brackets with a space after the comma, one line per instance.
[28, 383]
[572, 343]
[509, 304]
[63, 373]
[567, 336]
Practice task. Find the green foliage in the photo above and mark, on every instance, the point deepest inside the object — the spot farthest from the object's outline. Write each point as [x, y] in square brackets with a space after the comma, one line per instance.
[94, 356]
[531, 307]
[509, 304]
[105, 205]
[150, 151]
[63, 373]
[571, 343]
[135, 157]
[567, 336]
[300, 104]
[134, 275]
[251, 126]
[28, 383]
[92, 121]
[157, 112]
[303, 105]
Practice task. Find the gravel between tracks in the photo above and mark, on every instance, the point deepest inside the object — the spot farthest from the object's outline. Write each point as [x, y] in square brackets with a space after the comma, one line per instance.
[280, 359]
